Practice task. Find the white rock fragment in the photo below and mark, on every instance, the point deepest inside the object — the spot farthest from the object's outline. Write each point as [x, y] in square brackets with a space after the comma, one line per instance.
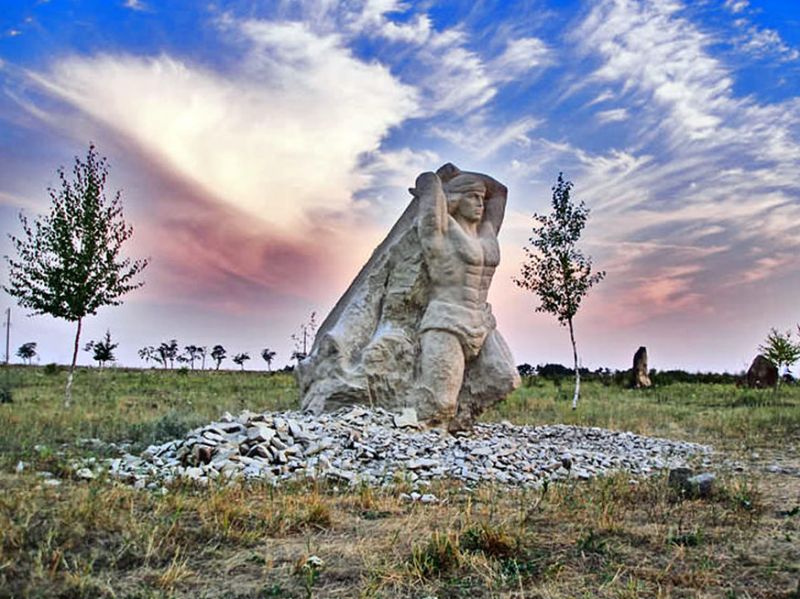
[406, 419]
[84, 474]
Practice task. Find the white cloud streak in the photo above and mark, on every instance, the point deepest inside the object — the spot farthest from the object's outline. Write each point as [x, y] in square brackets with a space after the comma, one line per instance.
[137, 5]
[612, 116]
[763, 43]
[278, 140]
[521, 56]
[736, 6]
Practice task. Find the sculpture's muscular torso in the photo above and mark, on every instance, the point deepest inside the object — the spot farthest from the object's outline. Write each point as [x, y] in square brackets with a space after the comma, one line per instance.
[458, 222]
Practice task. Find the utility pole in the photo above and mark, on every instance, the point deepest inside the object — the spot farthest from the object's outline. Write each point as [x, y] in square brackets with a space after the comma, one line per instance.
[8, 332]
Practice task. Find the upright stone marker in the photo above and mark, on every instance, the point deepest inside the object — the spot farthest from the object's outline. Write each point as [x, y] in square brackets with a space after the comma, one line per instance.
[641, 377]
[414, 329]
[762, 373]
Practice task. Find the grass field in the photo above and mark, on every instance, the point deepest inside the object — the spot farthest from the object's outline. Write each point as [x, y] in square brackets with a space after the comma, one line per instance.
[605, 538]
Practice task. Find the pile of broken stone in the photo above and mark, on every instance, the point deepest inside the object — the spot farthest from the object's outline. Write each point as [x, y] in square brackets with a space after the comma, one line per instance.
[356, 445]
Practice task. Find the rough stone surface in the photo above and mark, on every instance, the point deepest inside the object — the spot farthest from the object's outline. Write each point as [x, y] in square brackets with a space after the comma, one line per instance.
[690, 485]
[641, 377]
[762, 373]
[414, 329]
[356, 445]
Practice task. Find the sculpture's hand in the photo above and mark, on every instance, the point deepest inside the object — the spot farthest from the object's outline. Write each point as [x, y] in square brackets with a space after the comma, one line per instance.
[425, 184]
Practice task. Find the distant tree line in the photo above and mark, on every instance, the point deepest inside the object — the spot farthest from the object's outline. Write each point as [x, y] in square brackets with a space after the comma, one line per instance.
[559, 373]
[169, 352]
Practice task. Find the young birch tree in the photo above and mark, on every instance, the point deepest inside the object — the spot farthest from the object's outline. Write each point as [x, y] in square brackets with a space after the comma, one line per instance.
[68, 262]
[555, 269]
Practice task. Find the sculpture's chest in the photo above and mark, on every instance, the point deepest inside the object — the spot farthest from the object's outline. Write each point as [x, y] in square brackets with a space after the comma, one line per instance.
[475, 251]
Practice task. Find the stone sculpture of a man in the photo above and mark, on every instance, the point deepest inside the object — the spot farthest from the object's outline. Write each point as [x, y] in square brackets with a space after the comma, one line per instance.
[414, 330]
[459, 217]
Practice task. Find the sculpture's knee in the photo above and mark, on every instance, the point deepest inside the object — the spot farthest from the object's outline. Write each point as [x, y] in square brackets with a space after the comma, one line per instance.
[498, 364]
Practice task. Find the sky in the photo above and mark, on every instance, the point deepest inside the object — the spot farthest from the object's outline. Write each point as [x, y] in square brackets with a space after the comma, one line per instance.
[263, 149]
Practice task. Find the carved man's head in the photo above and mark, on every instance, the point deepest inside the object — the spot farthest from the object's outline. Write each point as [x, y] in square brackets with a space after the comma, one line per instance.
[465, 195]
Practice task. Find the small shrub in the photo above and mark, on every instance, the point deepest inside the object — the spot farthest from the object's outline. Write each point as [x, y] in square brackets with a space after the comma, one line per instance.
[592, 542]
[494, 542]
[742, 496]
[686, 539]
[52, 369]
[316, 515]
[273, 590]
[438, 556]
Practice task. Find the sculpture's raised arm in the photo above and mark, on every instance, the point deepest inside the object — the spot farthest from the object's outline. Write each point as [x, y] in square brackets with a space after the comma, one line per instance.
[495, 203]
[432, 218]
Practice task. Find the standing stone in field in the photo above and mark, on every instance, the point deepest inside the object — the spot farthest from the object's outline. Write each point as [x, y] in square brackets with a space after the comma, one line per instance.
[414, 329]
[640, 376]
[762, 373]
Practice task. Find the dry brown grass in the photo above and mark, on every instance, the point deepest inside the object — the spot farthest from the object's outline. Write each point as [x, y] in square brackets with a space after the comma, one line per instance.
[606, 538]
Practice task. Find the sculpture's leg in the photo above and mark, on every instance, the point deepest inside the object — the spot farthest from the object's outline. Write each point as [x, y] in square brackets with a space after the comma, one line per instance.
[440, 378]
[488, 379]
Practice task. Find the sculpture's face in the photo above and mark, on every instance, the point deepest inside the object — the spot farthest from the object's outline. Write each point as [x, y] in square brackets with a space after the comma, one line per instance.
[470, 205]
[465, 196]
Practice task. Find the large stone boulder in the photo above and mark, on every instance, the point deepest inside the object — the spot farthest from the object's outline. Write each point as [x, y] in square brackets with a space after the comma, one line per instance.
[762, 373]
[414, 330]
[640, 377]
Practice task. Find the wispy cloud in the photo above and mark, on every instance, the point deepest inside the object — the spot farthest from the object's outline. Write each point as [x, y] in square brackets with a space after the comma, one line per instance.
[136, 5]
[483, 139]
[762, 43]
[766, 267]
[736, 6]
[521, 56]
[452, 76]
[703, 168]
[277, 140]
[612, 116]
[263, 159]
[16, 201]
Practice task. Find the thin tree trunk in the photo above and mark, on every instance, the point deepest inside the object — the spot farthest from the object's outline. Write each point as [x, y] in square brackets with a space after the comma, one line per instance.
[577, 370]
[68, 393]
